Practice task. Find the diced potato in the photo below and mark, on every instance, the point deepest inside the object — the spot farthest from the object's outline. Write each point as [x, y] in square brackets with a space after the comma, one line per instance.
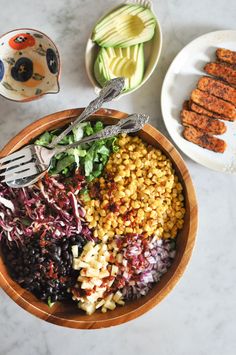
[87, 285]
[92, 272]
[109, 297]
[96, 264]
[110, 305]
[96, 281]
[89, 246]
[117, 296]
[75, 251]
[76, 264]
[114, 270]
[89, 256]
[93, 297]
[89, 308]
[120, 302]
[104, 273]
[100, 304]
[80, 264]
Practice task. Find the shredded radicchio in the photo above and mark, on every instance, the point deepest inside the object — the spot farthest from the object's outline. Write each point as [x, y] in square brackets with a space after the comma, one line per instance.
[144, 262]
[49, 207]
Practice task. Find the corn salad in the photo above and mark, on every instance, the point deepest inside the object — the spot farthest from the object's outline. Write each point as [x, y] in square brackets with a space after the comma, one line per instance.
[139, 193]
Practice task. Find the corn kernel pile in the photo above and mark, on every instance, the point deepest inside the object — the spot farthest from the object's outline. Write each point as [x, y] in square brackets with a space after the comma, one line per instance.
[139, 193]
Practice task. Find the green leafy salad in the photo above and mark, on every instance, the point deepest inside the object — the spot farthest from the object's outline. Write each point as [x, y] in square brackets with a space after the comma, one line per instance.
[90, 157]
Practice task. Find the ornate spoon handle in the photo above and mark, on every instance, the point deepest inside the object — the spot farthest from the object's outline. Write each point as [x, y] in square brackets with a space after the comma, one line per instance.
[132, 123]
[111, 90]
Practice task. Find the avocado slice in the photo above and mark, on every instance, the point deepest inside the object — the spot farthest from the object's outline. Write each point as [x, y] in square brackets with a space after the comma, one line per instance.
[115, 62]
[125, 27]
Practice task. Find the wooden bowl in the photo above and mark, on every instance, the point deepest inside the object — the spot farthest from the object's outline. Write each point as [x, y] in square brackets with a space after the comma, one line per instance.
[68, 315]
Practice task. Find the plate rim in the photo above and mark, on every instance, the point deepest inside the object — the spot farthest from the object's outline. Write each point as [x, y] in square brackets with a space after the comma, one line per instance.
[163, 89]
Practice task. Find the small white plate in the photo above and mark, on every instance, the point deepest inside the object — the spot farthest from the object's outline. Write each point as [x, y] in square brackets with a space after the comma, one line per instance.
[152, 50]
[181, 78]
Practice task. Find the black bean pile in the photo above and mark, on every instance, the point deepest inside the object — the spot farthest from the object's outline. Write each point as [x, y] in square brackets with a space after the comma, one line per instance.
[44, 268]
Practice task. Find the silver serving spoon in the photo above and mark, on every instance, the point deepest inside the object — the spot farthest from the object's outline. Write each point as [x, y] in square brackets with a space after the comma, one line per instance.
[110, 91]
[30, 163]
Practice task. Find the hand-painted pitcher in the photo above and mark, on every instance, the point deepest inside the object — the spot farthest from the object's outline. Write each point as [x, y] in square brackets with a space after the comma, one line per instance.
[29, 65]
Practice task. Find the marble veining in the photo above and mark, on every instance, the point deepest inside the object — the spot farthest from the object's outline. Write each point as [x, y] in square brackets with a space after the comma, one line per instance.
[199, 315]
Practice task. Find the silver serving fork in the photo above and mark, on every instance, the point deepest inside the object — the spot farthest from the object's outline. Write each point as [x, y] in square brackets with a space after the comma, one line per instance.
[15, 162]
[30, 163]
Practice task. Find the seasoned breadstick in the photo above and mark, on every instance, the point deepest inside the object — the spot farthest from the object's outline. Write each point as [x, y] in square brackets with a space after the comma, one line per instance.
[207, 124]
[204, 140]
[196, 108]
[217, 88]
[226, 55]
[222, 71]
[212, 103]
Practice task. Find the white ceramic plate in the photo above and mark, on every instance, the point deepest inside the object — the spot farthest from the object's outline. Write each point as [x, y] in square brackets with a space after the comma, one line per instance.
[181, 78]
[152, 50]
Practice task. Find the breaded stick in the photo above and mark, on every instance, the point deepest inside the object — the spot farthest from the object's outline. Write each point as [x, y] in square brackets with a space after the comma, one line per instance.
[186, 105]
[207, 124]
[212, 103]
[222, 71]
[217, 88]
[202, 111]
[226, 55]
[204, 140]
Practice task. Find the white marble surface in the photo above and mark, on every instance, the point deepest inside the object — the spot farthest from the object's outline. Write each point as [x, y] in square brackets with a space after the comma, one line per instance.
[199, 316]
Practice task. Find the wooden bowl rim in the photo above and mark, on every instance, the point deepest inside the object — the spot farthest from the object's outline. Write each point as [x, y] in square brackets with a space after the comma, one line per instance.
[17, 141]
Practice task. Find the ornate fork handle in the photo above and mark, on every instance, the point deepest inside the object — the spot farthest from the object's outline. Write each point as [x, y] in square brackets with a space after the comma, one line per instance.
[132, 123]
[111, 90]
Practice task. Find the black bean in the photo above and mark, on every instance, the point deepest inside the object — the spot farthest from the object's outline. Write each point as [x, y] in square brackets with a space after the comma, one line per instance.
[56, 258]
[31, 266]
[40, 259]
[71, 258]
[21, 280]
[10, 256]
[28, 280]
[54, 298]
[59, 251]
[65, 255]
[49, 289]
[37, 285]
[53, 247]
[65, 246]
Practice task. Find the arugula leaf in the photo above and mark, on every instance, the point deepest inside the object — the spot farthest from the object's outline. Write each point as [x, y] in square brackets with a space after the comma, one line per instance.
[50, 303]
[44, 139]
[98, 126]
[90, 157]
[67, 140]
[78, 131]
[85, 194]
[103, 150]
[64, 163]
[88, 130]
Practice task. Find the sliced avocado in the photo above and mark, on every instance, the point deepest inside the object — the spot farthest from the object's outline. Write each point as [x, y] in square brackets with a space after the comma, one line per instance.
[109, 17]
[115, 62]
[127, 26]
